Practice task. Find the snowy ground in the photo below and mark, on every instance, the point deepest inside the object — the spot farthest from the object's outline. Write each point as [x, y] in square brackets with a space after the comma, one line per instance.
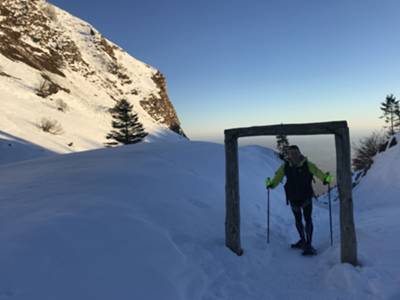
[147, 222]
[13, 149]
[91, 88]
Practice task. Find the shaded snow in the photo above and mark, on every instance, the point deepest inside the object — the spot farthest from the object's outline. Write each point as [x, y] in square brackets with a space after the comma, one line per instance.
[13, 149]
[147, 222]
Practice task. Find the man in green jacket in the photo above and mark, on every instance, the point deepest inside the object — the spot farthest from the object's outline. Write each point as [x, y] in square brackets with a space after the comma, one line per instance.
[299, 174]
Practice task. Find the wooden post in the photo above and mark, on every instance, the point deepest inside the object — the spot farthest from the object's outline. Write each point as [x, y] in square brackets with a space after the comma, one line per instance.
[343, 162]
[232, 218]
[344, 180]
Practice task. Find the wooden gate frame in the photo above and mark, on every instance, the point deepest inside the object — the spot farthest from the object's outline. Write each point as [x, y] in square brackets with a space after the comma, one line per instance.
[344, 179]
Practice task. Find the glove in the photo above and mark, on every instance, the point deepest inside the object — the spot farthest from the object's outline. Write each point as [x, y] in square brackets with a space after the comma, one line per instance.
[328, 179]
[268, 183]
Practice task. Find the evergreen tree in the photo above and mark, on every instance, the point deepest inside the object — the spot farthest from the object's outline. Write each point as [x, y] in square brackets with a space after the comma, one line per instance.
[391, 113]
[397, 112]
[128, 129]
[282, 144]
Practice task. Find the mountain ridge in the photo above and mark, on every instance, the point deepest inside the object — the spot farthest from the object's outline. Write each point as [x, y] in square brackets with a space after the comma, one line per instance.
[50, 57]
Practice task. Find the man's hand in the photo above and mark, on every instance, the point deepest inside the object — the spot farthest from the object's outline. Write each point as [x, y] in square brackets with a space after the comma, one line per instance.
[268, 183]
[328, 179]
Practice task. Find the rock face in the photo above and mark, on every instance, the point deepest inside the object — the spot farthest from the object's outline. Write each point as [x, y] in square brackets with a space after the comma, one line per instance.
[160, 107]
[68, 58]
[23, 25]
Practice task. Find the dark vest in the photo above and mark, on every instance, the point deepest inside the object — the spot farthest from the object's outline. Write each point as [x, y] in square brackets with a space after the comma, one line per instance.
[298, 187]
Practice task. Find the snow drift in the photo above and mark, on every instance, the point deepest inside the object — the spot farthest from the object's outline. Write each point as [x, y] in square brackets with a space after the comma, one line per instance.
[147, 222]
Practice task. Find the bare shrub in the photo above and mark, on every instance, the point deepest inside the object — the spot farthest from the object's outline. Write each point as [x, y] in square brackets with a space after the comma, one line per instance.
[2, 73]
[46, 88]
[50, 11]
[61, 105]
[366, 149]
[42, 89]
[50, 126]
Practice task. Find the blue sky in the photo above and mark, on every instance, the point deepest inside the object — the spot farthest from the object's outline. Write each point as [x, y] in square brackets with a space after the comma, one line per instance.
[242, 63]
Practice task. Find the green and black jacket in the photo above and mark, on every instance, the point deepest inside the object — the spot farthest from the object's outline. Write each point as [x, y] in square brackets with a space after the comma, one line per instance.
[298, 187]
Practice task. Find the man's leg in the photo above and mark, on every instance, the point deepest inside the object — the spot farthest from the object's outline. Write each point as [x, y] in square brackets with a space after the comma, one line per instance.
[299, 223]
[307, 211]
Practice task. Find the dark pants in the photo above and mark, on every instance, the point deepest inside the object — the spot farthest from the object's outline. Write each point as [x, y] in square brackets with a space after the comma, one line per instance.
[307, 211]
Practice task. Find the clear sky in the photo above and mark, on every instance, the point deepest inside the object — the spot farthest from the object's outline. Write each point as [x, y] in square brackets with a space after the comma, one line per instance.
[232, 63]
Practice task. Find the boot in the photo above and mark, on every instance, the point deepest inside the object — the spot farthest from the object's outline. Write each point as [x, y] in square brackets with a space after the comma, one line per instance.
[309, 250]
[299, 245]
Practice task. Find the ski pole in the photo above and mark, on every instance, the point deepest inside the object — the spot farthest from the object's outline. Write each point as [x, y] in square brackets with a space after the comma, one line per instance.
[268, 216]
[330, 211]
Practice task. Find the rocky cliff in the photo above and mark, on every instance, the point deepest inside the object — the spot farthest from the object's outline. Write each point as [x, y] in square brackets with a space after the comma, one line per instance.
[56, 66]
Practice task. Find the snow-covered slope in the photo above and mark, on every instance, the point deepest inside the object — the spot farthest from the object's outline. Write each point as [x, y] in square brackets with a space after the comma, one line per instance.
[380, 187]
[58, 67]
[13, 149]
[147, 222]
[377, 207]
[376, 199]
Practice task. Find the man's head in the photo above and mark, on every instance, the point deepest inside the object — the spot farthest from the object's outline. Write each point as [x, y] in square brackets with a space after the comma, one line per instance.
[294, 153]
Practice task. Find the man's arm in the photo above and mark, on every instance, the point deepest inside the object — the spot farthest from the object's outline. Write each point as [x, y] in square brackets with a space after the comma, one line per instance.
[278, 176]
[316, 171]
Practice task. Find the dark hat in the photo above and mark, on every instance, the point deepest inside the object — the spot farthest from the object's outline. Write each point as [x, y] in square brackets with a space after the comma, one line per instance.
[294, 147]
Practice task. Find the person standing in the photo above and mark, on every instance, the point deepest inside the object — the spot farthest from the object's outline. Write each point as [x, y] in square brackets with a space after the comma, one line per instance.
[299, 172]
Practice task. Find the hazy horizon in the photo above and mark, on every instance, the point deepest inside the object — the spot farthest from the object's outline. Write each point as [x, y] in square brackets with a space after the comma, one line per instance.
[319, 149]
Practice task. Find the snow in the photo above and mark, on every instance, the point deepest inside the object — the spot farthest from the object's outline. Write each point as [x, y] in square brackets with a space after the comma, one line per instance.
[13, 150]
[87, 120]
[146, 221]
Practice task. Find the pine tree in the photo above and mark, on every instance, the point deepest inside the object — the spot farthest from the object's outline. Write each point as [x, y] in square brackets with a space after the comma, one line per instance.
[391, 113]
[397, 112]
[282, 143]
[128, 129]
